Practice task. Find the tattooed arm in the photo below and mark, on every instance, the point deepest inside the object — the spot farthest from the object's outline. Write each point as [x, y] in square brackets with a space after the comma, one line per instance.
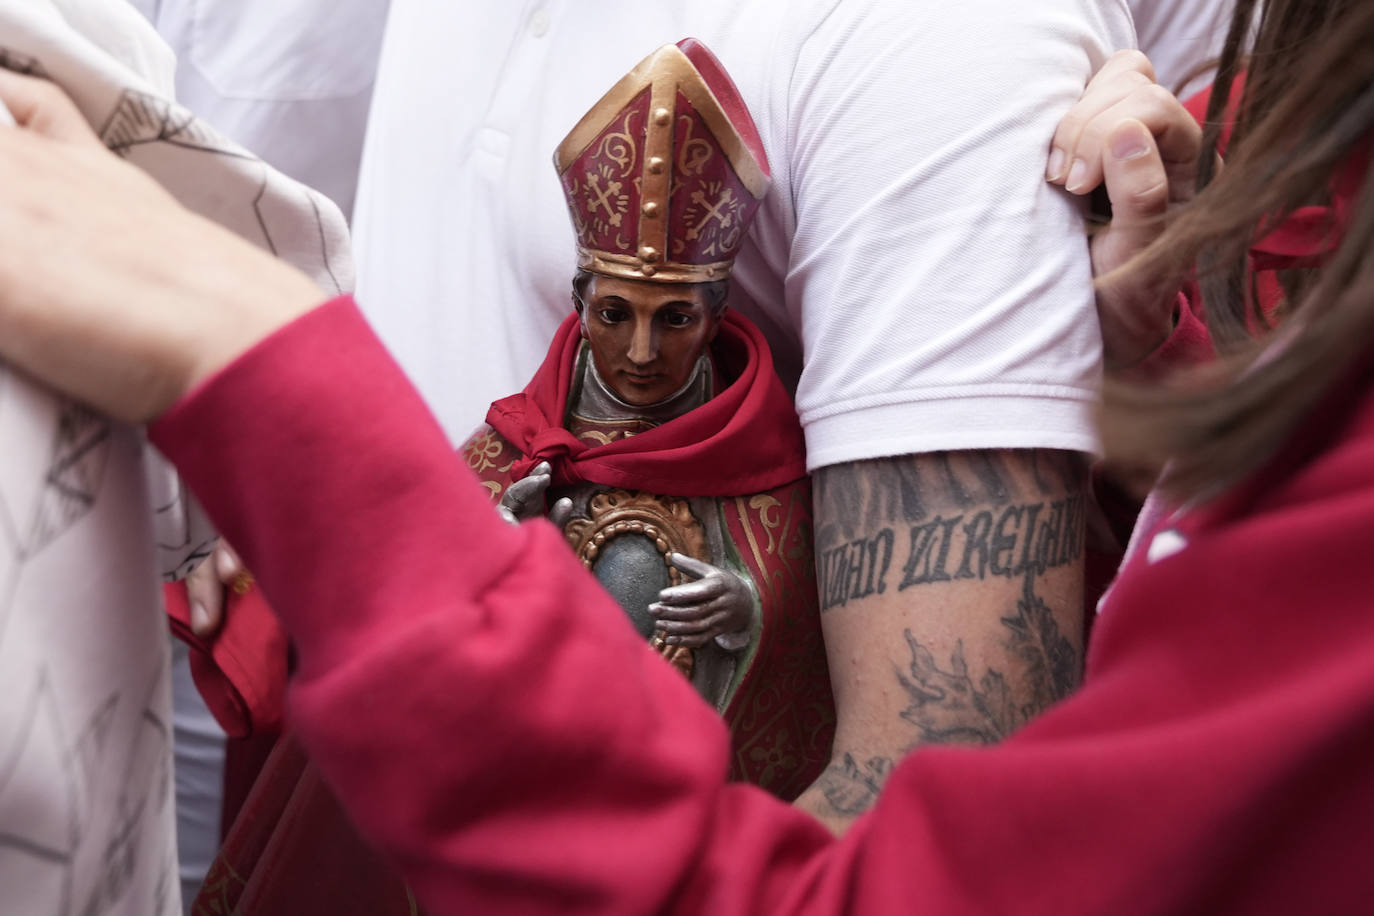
[951, 601]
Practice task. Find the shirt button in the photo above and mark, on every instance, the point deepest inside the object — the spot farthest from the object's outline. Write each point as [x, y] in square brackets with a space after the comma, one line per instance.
[539, 23]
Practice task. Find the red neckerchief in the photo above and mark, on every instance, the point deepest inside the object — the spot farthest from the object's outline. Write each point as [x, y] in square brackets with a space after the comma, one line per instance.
[744, 440]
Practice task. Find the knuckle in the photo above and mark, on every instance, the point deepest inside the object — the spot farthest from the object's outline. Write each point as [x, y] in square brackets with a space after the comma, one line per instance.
[1151, 200]
[1070, 129]
[1159, 99]
[1094, 134]
[1136, 61]
[1091, 142]
[1133, 81]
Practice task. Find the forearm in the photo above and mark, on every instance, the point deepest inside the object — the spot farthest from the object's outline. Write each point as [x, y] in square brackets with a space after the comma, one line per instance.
[951, 594]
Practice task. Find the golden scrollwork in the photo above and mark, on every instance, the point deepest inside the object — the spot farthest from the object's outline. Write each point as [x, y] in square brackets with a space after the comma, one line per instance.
[769, 509]
[481, 452]
[620, 146]
[613, 265]
[599, 437]
[667, 522]
[693, 152]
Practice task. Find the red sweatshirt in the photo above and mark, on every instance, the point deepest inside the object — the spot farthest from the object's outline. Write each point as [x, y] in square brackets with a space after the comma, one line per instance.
[492, 722]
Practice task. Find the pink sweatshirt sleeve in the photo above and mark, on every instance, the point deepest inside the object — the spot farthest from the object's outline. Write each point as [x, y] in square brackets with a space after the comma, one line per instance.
[494, 726]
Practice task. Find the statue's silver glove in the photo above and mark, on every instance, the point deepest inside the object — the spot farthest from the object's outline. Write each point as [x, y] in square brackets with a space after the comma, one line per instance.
[718, 605]
[524, 499]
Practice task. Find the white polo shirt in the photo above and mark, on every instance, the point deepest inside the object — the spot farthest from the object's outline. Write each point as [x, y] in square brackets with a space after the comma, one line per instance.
[1181, 35]
[289, 79]
[922, 286]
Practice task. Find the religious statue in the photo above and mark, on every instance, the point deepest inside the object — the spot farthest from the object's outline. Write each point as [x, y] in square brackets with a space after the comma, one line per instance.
[656, 430]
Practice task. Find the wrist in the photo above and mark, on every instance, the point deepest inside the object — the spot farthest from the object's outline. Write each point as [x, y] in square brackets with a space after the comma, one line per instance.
[251, 295]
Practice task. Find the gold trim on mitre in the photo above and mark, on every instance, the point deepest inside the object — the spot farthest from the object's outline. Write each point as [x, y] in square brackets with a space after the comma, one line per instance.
[665, 73]
[631, 268]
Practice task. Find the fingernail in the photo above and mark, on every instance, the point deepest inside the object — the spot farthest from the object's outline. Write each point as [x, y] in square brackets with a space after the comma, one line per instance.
[1056, 165]
[1077, 172]
[1129, 144]
[200, 617]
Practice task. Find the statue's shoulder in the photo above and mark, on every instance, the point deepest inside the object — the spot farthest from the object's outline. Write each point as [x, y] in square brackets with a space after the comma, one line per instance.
[490, 456]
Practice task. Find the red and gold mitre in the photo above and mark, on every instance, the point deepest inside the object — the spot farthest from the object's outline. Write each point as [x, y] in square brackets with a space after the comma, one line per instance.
[664, 174]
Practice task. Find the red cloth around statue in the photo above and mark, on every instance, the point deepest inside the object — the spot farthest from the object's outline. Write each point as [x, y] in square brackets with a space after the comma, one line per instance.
[240, 671]
[697, 454]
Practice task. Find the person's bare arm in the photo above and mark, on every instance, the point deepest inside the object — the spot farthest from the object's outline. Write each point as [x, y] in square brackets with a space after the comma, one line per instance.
[951, 600]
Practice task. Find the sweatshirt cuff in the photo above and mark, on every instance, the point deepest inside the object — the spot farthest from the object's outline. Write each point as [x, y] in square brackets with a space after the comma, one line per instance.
[313, 446]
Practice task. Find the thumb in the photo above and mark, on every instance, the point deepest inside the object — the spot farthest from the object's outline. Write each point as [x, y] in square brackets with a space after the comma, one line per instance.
[690, 565]
[1138, 187]
[39, 106]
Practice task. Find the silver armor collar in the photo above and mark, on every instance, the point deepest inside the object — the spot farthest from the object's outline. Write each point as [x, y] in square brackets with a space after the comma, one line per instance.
[596, 401]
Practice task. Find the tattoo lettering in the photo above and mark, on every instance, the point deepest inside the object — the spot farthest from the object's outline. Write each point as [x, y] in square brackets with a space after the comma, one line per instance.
[850, 787]
[1008, 542]
[1011, 541]
[929, 553]
[855, 570]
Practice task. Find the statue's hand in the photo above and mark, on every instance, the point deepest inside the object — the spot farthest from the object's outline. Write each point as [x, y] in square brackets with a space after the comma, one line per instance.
[524, 499]
[718, 605]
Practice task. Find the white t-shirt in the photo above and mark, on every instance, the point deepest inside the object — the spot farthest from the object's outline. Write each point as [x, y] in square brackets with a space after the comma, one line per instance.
[1181, 35]
[921, 284]
[289, 79]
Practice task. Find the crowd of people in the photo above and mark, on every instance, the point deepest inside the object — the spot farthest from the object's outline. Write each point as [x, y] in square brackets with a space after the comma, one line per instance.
[497, 733]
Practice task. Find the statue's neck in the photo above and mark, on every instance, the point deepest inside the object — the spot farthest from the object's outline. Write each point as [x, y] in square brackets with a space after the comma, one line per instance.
[595, 400]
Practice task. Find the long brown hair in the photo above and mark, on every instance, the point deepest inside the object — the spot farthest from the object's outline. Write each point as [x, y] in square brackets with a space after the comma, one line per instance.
[1305, 114]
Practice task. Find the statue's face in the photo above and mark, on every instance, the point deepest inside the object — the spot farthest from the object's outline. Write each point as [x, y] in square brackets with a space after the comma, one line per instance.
[645, 336]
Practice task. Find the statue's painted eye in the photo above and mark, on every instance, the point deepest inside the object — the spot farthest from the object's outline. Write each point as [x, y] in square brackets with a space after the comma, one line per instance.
[678, 319]
[612, 315]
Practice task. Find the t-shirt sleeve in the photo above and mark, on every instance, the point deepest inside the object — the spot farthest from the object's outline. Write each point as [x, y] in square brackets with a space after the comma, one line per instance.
[944, 287]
